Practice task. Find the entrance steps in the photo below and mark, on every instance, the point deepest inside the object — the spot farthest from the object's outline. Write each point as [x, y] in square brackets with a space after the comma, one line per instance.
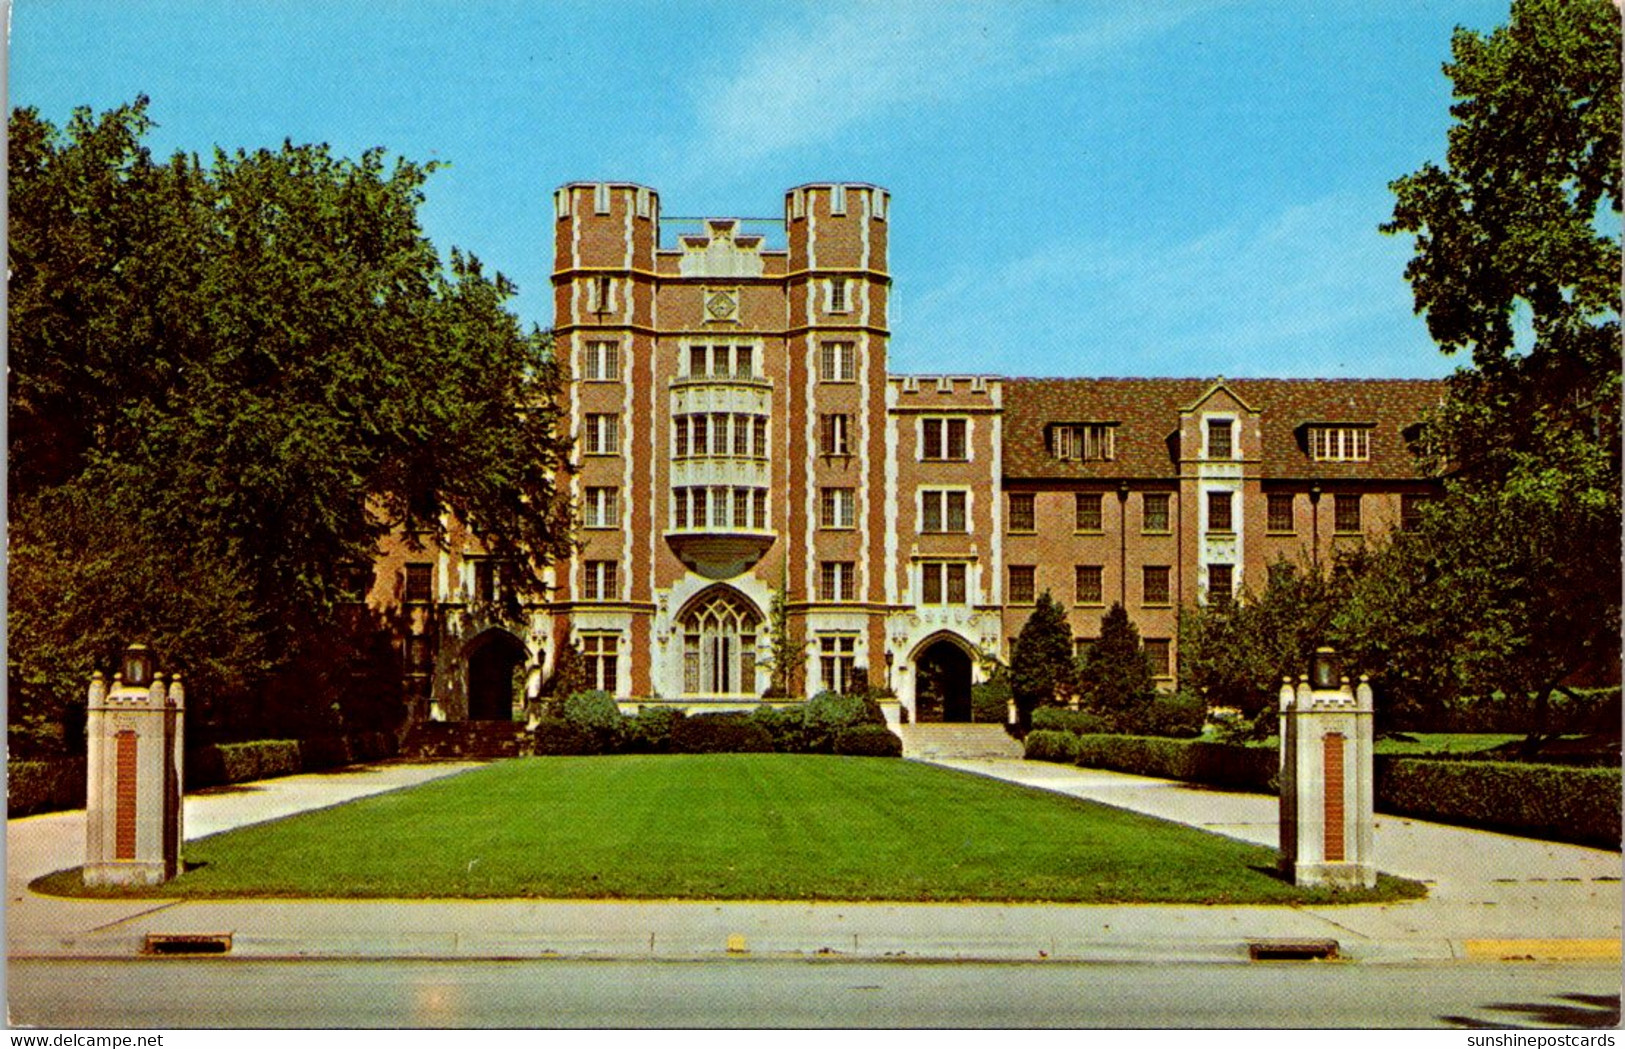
[465, 739]
[950, 740]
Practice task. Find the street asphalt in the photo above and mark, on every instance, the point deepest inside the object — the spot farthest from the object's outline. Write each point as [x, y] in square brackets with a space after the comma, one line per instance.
[1491, 897]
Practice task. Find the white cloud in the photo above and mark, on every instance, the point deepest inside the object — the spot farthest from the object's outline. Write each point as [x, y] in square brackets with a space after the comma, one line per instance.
[804, 84]
[1310, 290]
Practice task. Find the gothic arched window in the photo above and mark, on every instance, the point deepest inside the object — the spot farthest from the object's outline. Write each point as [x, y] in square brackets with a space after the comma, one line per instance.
[719, 646]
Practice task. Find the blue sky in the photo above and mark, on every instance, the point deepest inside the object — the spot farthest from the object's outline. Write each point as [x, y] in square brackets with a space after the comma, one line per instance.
[1157, 188]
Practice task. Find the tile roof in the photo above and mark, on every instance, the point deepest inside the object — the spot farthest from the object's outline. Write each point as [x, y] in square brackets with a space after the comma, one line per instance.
[1147, 415]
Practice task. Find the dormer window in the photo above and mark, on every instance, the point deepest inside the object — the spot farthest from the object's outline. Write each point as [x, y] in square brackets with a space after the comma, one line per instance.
[1340, 443]
[1219, 439]
[1082, 442]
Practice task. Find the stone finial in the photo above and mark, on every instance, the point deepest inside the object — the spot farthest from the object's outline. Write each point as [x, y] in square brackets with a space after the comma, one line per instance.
[98, 689]
[177, 694]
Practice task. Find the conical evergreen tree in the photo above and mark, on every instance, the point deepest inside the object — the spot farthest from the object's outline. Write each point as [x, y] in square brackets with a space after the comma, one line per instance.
[1041, 664]
[1116, 673]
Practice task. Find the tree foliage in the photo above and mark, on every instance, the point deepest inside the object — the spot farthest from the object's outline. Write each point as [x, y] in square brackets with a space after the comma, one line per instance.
[1513, 579]
[785, 655]
[263, 366]
[1041, 663]
[1115, 674]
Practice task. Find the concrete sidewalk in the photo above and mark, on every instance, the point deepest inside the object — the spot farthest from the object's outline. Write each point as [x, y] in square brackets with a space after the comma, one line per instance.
[1491, 896]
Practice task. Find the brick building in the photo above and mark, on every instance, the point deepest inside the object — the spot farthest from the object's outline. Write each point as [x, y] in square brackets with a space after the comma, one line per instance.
[738, 431]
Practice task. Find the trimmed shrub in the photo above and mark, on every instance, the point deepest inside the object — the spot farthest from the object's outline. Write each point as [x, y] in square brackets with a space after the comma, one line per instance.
[596, 714]
[827, 713]
[1078, 722]
[44, 786]
[1044, 744]
[650, 731]
[1196, 761]
[555, 735]
[990, 700]
[219, 763]
[730, 733]
[868, 741]
[1556, 802]
[1177, 714]
[784, 726]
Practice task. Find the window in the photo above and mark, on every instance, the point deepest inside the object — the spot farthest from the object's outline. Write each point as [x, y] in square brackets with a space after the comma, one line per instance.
[1082, 441]
[600, 581]
[1346, 512]
[942, 582]
[1021, 512]
[1155, 512]
[836, 363]
[1088, 586]
[835, 580]
[1086, 510]
[833, 431]
[603, 361]
[835, 508]
[1219, 444]
[1410, 512]
[418, 582]
[741, 428]
[1157, 652]
[603, 434]
[1022, 584]
[837, 653]
[602, 509]
[719, 647]
[1280, 512]
[942, 439]
[598, 651]
[1339, 443]
[1154, 580]
[759, 426]
[837, 295]
[492, 578]
[942, 511]
[1221, 586]
[1218, 512]
[744, 362]
[601, 294]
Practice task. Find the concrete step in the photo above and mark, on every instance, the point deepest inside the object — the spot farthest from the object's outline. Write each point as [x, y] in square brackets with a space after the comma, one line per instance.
[957, 741]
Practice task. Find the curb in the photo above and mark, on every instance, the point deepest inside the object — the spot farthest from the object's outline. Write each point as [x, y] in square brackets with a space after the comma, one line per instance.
[511, 947]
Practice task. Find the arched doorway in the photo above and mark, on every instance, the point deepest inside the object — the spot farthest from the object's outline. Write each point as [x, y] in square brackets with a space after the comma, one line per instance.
[719, 628]
[942, 680]
[492, 660]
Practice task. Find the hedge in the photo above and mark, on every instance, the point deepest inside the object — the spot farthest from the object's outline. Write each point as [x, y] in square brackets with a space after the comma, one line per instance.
[220, 763]
[729, 733]
[868, 741]
[1047, 744]
[50, 786]
[1197, 761]
[555, 735]
[1064, 719]
[1555, 802]
[44, 786]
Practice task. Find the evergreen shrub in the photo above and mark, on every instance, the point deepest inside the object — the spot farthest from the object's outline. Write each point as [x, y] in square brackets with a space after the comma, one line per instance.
[869, 741]
[1044, 744]
[1079, 722]
[556, 735]
[44, 786]
[650, 731]
[827, 713]
[784, 726]
[1196, 761]
[730, 733]
[1556, 802]
[596, 714]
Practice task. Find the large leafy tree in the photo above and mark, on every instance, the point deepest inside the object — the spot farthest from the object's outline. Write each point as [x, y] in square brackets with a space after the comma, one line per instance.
[1041, 663]
[1515, 572]
[262, 366]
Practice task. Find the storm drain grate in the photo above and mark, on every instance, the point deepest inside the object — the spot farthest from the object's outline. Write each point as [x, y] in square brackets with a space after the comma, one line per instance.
[186, 943]
[1291, 950]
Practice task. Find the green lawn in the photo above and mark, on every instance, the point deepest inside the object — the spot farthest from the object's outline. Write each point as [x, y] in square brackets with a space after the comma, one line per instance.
[731, 826]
